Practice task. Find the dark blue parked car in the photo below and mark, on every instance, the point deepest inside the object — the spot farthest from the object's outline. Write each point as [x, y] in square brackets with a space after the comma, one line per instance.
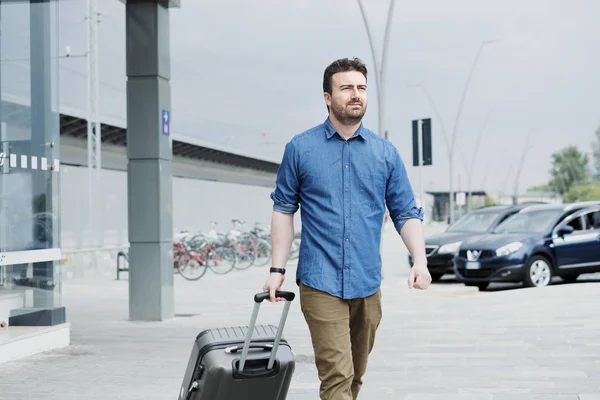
[441, 248]
[534, 245]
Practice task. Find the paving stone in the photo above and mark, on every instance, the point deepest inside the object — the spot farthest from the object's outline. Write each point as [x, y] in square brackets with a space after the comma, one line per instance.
[589, 396]
[536, 397]
[449, 342]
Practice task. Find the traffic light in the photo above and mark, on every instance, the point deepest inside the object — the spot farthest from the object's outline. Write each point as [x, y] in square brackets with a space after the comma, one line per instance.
[425, 143]
[415, 135]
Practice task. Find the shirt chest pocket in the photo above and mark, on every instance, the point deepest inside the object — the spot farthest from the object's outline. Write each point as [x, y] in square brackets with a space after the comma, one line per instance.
[321, 176]
[371, 188]
[314, 183]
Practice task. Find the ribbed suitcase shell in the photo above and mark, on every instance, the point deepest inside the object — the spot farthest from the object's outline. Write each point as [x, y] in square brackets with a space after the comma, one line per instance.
[213, 368]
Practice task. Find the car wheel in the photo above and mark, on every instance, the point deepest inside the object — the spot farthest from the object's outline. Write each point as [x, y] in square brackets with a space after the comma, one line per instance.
[538, 272]
[480, 285]
[570, 277]
[436, 276]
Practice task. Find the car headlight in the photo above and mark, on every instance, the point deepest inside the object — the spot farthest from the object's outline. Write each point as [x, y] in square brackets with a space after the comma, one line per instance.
[509, 249]
[450, 248]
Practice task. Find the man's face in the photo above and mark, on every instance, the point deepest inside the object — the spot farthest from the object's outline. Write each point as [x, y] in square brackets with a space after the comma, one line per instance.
[348, 99]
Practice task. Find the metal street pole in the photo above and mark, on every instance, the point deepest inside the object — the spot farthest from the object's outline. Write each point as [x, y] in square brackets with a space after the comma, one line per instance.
[437, 115]
[379, 69]
[485, 172]
[435, 110]
[526, 149]
[420, 159]
[469, 169]
[506, 179]
[453, 142]
[93, 125]
[443, 128]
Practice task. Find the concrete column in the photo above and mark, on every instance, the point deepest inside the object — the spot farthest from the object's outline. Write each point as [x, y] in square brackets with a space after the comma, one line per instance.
[45, 126]
[149, 151]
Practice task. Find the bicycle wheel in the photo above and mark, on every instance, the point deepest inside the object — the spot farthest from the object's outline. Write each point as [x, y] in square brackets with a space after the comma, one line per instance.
[179, 263]
[220, 259]
[245, 254]
[179, 257]
[263, 253]
[295, 249]
[192, 270]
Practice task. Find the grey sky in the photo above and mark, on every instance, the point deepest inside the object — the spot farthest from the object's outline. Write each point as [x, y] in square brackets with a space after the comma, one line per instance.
[241, 69]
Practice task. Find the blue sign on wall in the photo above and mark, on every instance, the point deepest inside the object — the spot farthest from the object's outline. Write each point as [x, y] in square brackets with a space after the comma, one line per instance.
[166, 122]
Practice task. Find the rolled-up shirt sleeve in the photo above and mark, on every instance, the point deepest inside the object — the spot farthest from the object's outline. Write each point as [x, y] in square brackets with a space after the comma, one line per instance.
[400, 198]
[285, 196]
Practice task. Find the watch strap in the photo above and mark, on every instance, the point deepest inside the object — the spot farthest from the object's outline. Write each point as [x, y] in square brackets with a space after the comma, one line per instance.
[277, 270]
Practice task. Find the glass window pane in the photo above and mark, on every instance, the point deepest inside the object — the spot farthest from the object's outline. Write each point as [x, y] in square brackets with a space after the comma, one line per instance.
[30, 159]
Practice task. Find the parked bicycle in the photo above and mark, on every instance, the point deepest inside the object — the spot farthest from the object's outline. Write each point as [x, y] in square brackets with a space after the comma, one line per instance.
[202, 252]
[196, 252]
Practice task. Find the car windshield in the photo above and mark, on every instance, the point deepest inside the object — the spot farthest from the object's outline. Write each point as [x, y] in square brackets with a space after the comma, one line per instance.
[529, 222]
[474, 222]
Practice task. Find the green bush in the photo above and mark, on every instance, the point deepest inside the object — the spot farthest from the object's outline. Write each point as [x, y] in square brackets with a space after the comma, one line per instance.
[587, 192]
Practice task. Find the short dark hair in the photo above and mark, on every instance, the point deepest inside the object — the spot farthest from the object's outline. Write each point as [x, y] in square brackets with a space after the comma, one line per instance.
[342, 65]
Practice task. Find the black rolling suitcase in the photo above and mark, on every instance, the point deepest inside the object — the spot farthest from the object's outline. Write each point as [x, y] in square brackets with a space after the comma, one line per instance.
[241, 363]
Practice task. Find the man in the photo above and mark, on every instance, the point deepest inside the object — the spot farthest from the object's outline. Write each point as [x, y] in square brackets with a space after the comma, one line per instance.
[343, 175]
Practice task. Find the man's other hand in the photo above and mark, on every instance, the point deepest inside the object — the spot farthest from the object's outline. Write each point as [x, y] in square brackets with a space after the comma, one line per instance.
[419, 276]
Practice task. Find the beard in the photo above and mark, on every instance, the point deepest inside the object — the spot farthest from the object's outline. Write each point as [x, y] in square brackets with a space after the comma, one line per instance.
[346, 114]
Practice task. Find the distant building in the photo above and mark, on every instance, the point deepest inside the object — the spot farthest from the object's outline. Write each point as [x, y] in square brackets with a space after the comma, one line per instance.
[441, 203]
[60, 219]
[530, 197]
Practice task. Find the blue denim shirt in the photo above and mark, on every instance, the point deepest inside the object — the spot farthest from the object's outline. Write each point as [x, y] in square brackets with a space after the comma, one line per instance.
[342, 187]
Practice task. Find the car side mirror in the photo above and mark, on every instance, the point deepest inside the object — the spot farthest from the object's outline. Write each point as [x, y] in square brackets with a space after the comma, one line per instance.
[565, 230]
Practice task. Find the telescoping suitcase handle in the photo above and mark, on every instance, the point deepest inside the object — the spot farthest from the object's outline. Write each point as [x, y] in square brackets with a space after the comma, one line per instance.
[258, 299]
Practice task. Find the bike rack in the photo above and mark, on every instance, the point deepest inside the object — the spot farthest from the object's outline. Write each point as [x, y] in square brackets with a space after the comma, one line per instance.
[119, 269]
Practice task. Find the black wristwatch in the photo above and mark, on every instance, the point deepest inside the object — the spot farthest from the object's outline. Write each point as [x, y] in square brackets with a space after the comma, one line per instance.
[277, 270]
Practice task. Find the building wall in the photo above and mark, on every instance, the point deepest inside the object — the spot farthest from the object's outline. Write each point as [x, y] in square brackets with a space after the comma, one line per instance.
[196, 202]
[202, 192]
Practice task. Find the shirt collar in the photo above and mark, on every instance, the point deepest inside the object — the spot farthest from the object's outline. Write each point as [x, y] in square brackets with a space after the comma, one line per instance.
[330, 130]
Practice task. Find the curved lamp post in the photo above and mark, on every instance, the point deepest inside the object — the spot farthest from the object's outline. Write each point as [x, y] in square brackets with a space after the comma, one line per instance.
[451, 145]
[379, 69]
[458, 113]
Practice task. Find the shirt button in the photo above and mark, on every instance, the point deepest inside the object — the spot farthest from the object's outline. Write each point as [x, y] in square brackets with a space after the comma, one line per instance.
[347, 239]
[346, 267]
[347, 189]
[346, 165]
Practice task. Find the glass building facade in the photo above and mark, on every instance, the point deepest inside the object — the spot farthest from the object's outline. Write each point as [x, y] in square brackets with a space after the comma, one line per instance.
[29, 163]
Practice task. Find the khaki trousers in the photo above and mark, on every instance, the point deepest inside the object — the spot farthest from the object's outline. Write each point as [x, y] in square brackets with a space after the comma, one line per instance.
[343, 334]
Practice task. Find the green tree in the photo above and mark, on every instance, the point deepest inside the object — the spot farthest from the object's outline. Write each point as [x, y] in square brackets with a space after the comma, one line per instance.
[489, 201]
[541, 188]
[596, 154]
[590, 192]
[569, 167]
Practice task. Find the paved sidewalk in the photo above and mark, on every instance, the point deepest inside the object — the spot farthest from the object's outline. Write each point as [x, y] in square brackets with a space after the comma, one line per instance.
[450, 342]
